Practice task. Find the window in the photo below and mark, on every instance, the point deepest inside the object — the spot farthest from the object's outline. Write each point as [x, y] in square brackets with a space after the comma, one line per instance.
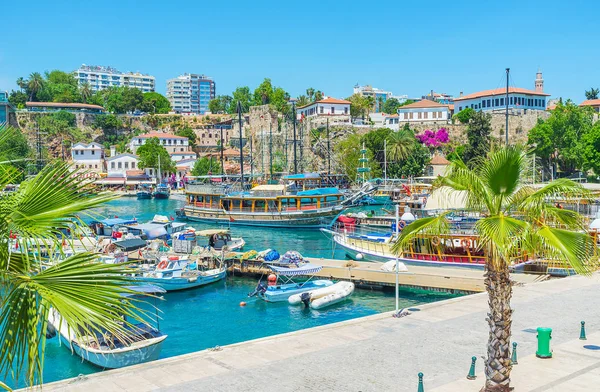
[332, 110]
[181, 149]
[112, 165]
[181, 141]
[93, 152]
[346, 110]
[126, 165]
[95, 166]
[501, 101]
[497, 102]
[483, 103]
[119, 165]
[411, 116]
[406, 116]
[489, 103]
[133, 165]
[322, 109]
[76, 152]
[419, 115]
[459, 108]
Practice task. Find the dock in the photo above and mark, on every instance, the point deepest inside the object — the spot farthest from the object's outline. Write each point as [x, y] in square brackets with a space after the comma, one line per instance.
[383, 353]
[455, 280]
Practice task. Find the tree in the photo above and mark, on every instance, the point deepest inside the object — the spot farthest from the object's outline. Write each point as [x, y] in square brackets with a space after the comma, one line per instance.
[155, 103]
[88, 294]
[18, 99]
[206, 166]
[263, 93]
[391, 106]
[189, 133]
[464, 116]
[591, 149]
[358, 106]
[413, 165]
[375, 141]
[279, 100]
[496, 190]
[242, 95]
[34, 84]
[348, 154]
[22, 83]
[220, 104]
[400, 144]
[302, 100]
[479, 138]
[379, 104]
[369, 104]
[592, 93]
[60, 124]
[318, 96]
[149, 153]
[86, 92]
[15, 150]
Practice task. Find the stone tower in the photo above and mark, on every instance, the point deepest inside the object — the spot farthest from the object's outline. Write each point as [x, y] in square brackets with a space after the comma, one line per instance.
[539, 81]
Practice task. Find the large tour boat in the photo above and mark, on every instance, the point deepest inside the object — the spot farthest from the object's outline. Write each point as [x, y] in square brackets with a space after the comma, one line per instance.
[263, 205]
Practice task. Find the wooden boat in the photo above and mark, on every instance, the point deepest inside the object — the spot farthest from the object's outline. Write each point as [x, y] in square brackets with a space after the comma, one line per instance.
[174, 274]
[162, 192]
[144, 193]
[219, 239]
[264, 205]
[143, 345]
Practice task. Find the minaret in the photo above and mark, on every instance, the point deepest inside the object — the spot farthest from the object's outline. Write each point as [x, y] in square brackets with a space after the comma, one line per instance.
[539, 81]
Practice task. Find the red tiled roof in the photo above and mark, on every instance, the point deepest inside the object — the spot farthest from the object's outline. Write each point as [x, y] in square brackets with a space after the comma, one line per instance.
[451, 107]
[425, 103]
[439, 160]
[328, 100]
[591, 102]
[160, 135]
[500, 91]
[63, 105]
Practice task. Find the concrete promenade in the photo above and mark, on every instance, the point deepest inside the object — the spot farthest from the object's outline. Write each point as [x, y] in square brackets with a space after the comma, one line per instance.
[380, 353]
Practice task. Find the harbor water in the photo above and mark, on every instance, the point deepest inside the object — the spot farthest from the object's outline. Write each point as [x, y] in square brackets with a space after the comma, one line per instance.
[211, 316]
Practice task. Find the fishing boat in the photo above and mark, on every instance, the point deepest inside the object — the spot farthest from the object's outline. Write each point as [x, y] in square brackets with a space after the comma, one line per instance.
[160, 227]
[144, 192]
[321, 298]
[281, 285]
[263, 205]
[162, 191]
[144, 342]
[220, 239]
[174, 273]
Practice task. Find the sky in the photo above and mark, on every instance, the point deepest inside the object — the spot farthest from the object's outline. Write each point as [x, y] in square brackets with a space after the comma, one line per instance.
[406, 47]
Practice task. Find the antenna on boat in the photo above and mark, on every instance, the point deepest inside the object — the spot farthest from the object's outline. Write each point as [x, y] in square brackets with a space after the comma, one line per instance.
[271, 146]
[328, 149]
[294, 120]
[239, 111]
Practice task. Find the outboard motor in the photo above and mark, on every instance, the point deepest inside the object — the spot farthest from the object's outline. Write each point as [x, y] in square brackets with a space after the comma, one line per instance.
[260, 288]
[305, 298]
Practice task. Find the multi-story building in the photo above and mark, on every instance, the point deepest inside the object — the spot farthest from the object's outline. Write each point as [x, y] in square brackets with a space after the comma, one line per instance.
[593, 103]
[439, 97]
[5, 107]
[379, 96]
[518, 98]
[424, 111]
[210, 135]
[172, 143]
[100, 78]
[190, 93]
[88, 156]
[325, 107]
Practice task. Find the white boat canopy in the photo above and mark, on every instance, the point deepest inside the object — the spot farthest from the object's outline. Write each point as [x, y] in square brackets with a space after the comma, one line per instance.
[306, 269]
[211, 232]
[445, 198]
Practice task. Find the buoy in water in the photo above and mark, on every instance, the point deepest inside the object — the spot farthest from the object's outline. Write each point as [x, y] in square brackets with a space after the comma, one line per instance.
[242, 304]
[272, 279]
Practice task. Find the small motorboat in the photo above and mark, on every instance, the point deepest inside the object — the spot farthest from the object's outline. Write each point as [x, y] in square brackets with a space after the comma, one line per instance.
[220, 239]
[108, 352]
[174, 273]
[144, 193]
[162, 192]
[321, 298]
[279, 292]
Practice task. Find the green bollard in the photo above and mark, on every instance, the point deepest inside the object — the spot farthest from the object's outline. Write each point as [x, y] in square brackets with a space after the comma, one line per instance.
[513, 358]
[471, 375]
[582, 333]
[420, 383]
[544, 336]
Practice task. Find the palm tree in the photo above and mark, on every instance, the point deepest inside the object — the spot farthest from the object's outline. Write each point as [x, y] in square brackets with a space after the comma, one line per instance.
[318, 95]
[22, 83]
[400, 144]
[86, 92]
[310, 92]
[369, 105]
[35, 84]
[516, 219]
[380, 104]
[302, 101]
[592, 93]
[88, 294]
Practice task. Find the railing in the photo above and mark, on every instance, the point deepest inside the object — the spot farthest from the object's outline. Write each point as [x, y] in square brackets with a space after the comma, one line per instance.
[212, 189]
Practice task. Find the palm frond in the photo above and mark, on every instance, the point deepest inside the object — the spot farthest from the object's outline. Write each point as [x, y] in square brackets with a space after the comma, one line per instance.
[460, 178]
[502, 231]
[435, 226]
[502, 171]
[536, 200]
[578, 250]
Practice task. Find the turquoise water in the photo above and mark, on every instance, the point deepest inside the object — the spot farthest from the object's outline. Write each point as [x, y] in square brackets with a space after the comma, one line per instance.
[211, 316]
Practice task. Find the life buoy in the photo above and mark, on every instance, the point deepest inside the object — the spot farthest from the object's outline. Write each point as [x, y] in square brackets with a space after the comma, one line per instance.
[465, 243]
[162, 265]
[424, 201]
[435, 241]
[402, 224]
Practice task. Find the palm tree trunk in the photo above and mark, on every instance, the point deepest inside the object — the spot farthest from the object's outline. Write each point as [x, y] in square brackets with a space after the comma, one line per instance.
[498, 364]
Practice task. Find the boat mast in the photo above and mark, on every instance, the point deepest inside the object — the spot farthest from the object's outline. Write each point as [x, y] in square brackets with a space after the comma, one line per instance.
[271, 147]
[506, 129]
[294, 121]
[159, 173]
[222, 148]
[239, 111]
[328, 150]
[384, 161]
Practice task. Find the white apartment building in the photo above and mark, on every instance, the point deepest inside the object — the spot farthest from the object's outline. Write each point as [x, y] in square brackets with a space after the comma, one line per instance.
[190, 93]
[172, 143]
[424, 111]
[100, 78]
[179, 156]
[325, 107]
[378, 95]
[118, 165]
[88, 156]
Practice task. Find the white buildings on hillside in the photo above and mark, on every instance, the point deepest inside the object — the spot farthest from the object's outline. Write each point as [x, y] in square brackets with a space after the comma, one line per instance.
[424, 111]
[100, 78]
[88, 156]
[379, 96]
[179, 156]
[325, 107]
[118, 165]
[172, 143]
[190, 93]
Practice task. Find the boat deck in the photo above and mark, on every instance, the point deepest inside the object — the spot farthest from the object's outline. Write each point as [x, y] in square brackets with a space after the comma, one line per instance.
[369, 274]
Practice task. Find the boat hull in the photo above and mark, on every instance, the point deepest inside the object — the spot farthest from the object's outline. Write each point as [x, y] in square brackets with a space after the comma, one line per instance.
[144, 195]
[302, 219]
[176, 284]
[281, 293]
[161, 195]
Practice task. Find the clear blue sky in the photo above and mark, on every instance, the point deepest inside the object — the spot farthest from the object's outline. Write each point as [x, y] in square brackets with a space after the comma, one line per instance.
[407, 47]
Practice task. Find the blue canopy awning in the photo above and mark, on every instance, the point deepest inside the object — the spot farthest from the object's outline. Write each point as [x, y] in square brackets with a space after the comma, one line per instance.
[303, 176]
[118, 221]
[306, 269]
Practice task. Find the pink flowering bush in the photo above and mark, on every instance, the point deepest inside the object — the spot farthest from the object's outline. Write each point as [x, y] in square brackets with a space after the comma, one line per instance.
[433, 138]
